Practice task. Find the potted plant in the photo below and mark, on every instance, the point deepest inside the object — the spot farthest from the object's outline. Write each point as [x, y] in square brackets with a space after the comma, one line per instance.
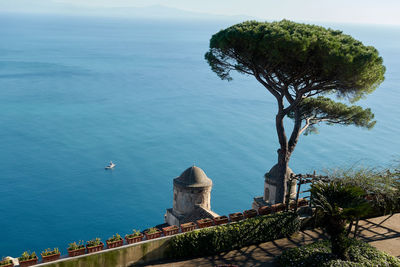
[278, 207]
[250, 213]
[115, 241]
[302, 202]
[6, 263]
[76, 249]
[265, 210]
[170, 230]
[152, 233]
[94, 245]
[206, 222]
[135, 237]
[27, 259]
[50, 255]
[235, 217]
[221, 220]
[187, 227]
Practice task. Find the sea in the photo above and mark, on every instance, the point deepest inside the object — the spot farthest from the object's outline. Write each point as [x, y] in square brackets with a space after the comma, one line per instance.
[77, 92]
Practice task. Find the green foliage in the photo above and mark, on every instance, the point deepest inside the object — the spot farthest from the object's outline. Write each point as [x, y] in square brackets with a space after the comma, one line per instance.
[323, 109]
[297, 55]
[5, 262]
[48, 252]
[221, 238]
[337, 203]
[297, 62]
[319, 254]
[94, 242]
[114, 238]
[134, 233]
[152, 230]
[75, 246]
[336, 198]
[27, 256]
[382, 186]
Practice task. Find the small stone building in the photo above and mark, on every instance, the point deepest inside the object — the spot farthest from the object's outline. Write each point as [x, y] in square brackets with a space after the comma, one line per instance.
[192, 197]
[270, 186]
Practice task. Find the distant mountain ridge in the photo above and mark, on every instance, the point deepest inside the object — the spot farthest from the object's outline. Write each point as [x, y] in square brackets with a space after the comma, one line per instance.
[153, 11]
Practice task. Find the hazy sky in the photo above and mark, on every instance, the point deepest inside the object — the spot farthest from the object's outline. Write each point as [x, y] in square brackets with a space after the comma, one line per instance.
[353, 11]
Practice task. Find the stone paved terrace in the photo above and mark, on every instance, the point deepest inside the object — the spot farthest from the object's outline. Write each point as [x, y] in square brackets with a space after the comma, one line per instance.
[381, 232]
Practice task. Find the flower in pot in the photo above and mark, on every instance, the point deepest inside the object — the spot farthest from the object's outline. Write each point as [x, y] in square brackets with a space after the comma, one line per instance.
[278, 207]
[187, 227]
[50, 254]
[76, 249]
[206, 222]
[220, 220]
[27, 259]
[250, 213]
[94, 245]
[170, 230]
[302, 202]
[135, 237]
[265, 210]
[115, 241]
[6, 263]
[235, 217]
[152, 233]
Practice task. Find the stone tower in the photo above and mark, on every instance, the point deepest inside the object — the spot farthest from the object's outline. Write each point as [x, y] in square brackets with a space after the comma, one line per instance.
[192, 197]
[271, 182]
[270, 185]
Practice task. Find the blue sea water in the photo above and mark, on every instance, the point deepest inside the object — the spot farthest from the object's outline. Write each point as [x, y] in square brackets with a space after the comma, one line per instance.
[78, 92]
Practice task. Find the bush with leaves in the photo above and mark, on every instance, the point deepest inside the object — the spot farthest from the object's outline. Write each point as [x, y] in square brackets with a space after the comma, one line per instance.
[338, 203]
[381, 185]
[94, 242]
[319, 254]
[234, 236]
[27, 256]
[49, 251]
[5, 262]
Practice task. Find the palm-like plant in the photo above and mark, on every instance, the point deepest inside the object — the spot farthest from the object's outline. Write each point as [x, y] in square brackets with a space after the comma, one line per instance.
[338, 203]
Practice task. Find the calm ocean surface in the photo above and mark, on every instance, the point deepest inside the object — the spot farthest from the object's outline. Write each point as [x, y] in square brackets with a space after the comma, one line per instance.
[76, 93]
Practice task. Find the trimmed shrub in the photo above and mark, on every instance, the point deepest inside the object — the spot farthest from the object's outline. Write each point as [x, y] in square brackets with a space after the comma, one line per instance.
[319, 254]
[234, 236]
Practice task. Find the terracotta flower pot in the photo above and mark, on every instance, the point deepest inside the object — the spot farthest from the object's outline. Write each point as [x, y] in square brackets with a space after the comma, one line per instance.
[187, 227]
[76, 252]
[49, 258]
[170, 230]
[235, 217]
[7, 265]
[265, 210]
[221, 220]
[95, 248]
[278, 207]
[250, 213]
[28, 262]
[153, 235]
[206, 222]
[115, 244]
[134, 239]
[302, 202]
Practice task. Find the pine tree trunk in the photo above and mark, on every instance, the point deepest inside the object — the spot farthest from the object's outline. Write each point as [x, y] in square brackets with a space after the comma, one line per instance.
[285, 151]
[283, 163]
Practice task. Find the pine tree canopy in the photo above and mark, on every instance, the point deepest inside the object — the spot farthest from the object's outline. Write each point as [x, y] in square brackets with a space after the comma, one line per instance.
[299, 63]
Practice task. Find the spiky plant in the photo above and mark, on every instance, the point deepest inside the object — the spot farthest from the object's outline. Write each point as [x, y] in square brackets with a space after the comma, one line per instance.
[338, 203]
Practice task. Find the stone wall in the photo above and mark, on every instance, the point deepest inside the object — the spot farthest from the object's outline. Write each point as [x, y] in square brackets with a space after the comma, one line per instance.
[129, 255]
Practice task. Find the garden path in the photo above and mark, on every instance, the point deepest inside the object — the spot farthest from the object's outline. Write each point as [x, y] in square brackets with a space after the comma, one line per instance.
[382, 232]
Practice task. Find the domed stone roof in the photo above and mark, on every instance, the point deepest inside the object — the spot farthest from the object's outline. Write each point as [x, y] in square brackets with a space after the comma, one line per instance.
[193, 177]
[273, 174]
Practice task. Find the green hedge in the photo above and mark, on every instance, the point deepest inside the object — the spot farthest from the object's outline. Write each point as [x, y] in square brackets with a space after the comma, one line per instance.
[234, 236]
[319, 254]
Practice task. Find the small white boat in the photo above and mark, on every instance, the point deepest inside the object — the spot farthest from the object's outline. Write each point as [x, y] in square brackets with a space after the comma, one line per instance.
[110, 166]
